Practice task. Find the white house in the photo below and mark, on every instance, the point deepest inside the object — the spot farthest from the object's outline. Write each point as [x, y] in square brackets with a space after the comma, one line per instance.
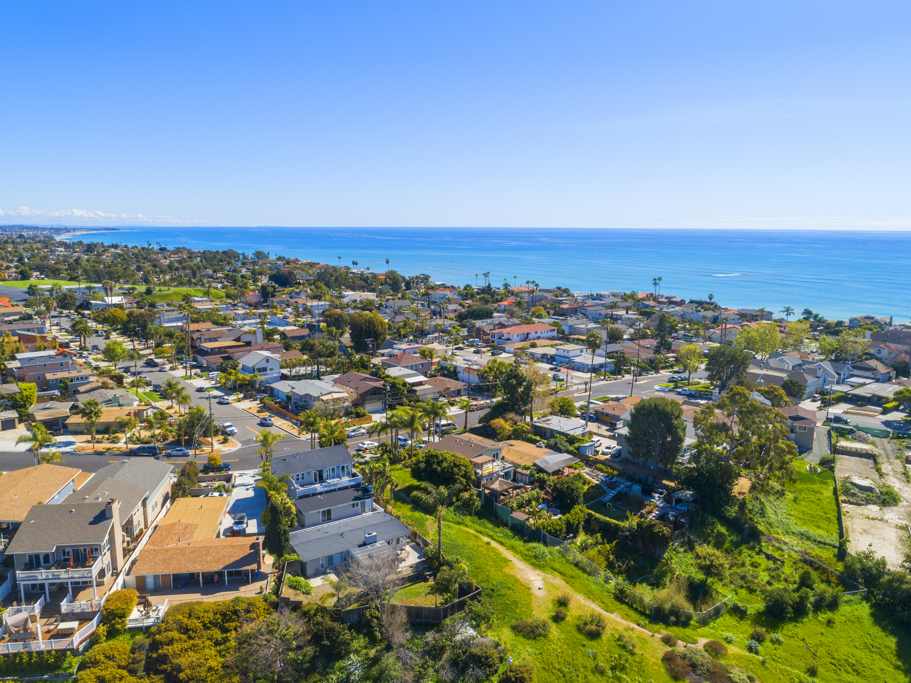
[266, 365]
[520, 333]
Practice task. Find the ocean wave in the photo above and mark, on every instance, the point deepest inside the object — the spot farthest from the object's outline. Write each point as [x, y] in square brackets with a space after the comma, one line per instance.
[726, 274]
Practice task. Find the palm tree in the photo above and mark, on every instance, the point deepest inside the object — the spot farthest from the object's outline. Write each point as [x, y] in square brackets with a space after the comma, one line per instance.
[435, 499]
[267, 440]
[413, 421]
[182, 399]
[433, 412]
[91, 411]
[378, 429]
[310, 422]
[127, 424]
[334, 433]
[465, 404]
[39, 437]
[788, 312]
[81, 328]
[134, 356]
[170, 389]
[593, 341]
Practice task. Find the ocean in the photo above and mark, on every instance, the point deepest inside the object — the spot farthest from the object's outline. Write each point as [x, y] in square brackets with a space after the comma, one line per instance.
[836, 273]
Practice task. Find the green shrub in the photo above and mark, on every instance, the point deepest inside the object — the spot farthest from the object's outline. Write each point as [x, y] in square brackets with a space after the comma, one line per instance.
[677, 668]
[812, 669]
[299, 584]
[759, 634]
[564, 599]
[780, 602]
[560, 614]
[593, 625]
[888, 496]
[776, 639]
[486, 655]
[531, 628]
[626, 642]
[716, 649]
[669, 639]
[700, 662]
[115, 654]
[117, 609]
[100, 635]
[517, 673]
[728, 638]
[753, 647]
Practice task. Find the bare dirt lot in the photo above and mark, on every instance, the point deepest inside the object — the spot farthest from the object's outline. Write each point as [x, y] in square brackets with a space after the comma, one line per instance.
[885, 529]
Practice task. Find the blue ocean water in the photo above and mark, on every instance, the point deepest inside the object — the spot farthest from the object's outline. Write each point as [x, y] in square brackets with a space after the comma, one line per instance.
[836, 273]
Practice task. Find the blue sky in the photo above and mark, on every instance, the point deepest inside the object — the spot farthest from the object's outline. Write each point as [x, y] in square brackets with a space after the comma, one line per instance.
[652, 114]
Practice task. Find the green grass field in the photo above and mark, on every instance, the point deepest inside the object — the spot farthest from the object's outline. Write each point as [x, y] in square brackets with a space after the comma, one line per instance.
[175, 294]
[24, 284]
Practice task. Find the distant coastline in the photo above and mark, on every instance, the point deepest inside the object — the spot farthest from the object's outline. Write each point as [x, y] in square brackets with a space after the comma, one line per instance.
[826, 272]
[55, 231]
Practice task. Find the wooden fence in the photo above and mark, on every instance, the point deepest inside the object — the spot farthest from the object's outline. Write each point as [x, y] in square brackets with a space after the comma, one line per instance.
[434, 615]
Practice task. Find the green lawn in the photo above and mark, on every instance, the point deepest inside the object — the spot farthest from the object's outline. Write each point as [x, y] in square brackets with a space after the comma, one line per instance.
[24, 284]
[150, 396]
[176, 293]
[420, 594]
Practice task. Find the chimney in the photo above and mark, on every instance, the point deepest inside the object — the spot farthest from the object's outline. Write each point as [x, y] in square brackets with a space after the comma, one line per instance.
[113, 506]
[369, 537]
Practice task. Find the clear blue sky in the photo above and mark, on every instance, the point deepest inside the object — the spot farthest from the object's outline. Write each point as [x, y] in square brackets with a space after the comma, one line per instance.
[689, 114]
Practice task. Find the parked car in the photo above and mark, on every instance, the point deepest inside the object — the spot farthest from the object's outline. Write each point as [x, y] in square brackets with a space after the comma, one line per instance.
[200, 389]
[403, 441]
[216, 494]
[357, 431]
[261, 396]
[367, 445]
[477, 351]
[223, 401]
[240, 522]
[215, 469]
[841, 419]
[177, 453]
[153, 451]
[266, 421]
[228, 428]
[151, 363]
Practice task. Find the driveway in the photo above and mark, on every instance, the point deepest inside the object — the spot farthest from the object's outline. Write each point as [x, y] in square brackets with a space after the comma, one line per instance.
[247, 498]
[820, 445]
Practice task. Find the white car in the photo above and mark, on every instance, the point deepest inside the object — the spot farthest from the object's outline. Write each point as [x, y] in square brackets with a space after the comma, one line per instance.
[367, 445]
[357, 431]
[403, 441]
[229, 428]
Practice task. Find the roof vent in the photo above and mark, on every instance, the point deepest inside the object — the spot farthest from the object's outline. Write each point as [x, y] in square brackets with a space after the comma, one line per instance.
[369, 537]
[72, 511]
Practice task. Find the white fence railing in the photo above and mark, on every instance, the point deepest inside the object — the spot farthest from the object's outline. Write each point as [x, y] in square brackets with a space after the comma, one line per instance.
[31, 609]
[87, 606]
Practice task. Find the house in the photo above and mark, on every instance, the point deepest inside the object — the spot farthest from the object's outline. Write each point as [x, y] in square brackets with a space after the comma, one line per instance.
[186, 550]
[563, 354]
[881, 323]
[43, 485]
[553, 425]
[305, 394]
[33, 367]
[142, 485]
[552, 464]
[874, 370]
[262, 364]
[108, 398]
[448, 388]
[407, 361]
[887, 353]
[612, 413]
[485, 456]
[326, 546]
[317, 471]
[333, 506]
[517, 333]
[802, 425]
[363, 390]
[76, 424]
[62, 547]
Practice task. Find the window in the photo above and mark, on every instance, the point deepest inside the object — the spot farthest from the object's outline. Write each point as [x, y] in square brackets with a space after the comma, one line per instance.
[325, 515]
[45, 559]
[801, 428]
[355, 505]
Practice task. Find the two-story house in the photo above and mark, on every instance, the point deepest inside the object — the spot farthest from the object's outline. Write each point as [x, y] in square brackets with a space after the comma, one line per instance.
[407, 361]
[363, 390]
[262, 364]
[43, 485]
[519, 333]
[61, 547]
[485, 456]
[34, 367]
[333, 506]
[802, 425]
[317, 471]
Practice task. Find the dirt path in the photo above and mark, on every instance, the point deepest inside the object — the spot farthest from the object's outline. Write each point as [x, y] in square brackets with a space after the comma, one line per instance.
[546, 587]
[883, 528]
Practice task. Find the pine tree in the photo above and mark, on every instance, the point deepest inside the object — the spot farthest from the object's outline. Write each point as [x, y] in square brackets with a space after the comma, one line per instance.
[277, 541]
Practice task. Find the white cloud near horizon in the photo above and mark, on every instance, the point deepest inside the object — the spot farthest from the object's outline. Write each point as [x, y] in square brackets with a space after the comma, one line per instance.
[84, 216]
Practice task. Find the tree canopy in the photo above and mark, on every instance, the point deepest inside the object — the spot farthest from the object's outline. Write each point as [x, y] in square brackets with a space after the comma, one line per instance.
[368, 331]
[656, 431]
[725, 365]
[443, 468]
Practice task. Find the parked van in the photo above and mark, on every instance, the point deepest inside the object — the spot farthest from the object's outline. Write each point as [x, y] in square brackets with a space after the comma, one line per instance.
[151, 451]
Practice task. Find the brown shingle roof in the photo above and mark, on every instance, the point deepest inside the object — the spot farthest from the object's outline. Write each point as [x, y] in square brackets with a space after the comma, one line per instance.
[215, 554]
[468, 446]
[20, 489]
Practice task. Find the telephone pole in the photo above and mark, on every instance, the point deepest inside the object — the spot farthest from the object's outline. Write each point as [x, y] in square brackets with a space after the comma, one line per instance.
[211, 427]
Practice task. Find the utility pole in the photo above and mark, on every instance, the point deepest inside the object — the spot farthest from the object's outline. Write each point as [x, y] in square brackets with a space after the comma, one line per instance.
[211, 427]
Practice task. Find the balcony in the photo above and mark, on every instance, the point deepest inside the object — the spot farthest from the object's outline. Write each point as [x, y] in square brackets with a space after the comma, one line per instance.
[61, 571]
[300, 490]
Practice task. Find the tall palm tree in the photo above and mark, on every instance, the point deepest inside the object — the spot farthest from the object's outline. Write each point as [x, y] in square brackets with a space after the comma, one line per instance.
[379, 429]
[788, 312]
[134, 356]
[81, 328]
[465, 404]
[413, 421]
[433, 412]
[593, 341]
[435, 499]
[182, 399]
[39, 437]
[127, 424]
[170, 389]
[267, 440]
[310, 422]
[91, 412]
